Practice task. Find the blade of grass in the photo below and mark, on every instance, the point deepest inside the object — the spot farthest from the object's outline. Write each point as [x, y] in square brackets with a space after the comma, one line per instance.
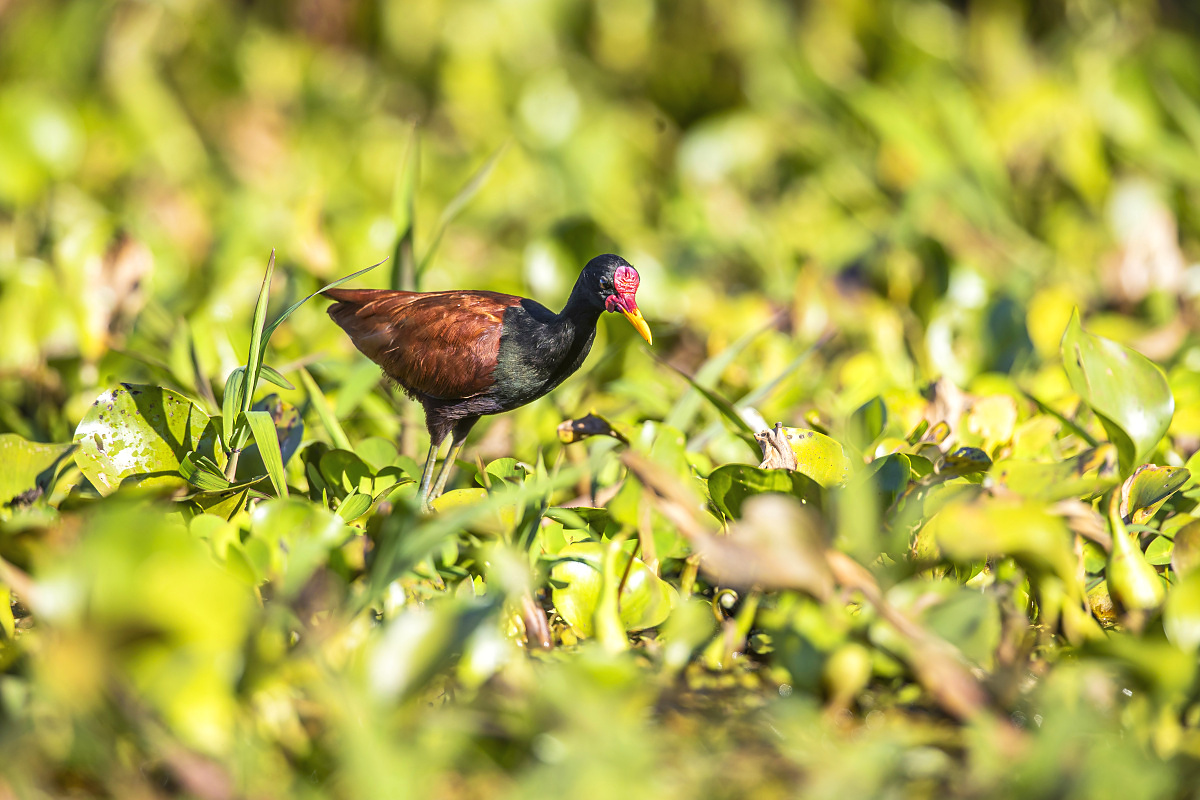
[761, 392]
[231, 403]
[272, 375]
[724, 408]
[456, 205]
[320, 404]
[271, 328]
[263, 428]
[257, 340]
[680, 416]
[404, 192]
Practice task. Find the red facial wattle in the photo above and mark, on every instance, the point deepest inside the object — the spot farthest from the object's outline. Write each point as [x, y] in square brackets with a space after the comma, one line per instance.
[625, 283]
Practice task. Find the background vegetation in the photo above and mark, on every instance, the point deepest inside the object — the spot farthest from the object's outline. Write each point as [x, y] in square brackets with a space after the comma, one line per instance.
[869, 220]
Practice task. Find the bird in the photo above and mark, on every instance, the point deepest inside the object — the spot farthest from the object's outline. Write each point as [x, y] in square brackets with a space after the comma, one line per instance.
[464, 354]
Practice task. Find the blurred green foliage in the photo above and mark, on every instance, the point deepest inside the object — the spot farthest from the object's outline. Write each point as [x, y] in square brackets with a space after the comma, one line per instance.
[870, 221]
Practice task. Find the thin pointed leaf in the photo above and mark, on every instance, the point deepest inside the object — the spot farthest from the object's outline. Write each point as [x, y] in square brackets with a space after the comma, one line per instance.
[272, 375]
[231, 405]
[263, 428]
[459, 202]
[325, 413]
[257, 339]
[725, 409]
[271, 328]
[404, 193]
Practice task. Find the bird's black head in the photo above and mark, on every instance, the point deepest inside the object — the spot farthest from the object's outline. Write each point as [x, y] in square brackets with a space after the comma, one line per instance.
[610, 282]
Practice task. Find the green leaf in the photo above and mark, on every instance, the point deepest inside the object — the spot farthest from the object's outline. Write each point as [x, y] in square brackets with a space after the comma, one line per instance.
[270, 329]
[140, 430]
[645, 600]
[28, 466]
[324, 412]
[257, 339]
[1143, 494]
[231, 405]
[730, 486]
[292, 539]
[818, 456]
[982, 527]
[354, 506]
[195, 470]
[723, 407]
[1185, 555]
[458, 203]
[1127, 391]
[1132, 582]
[404, 192]
[289, 431]
[867, 423]
[1181, 614]
[272, 375]
[266, 437]
[1087, 474]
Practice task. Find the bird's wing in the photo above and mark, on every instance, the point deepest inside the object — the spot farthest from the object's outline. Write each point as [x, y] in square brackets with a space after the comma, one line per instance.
[437, 344]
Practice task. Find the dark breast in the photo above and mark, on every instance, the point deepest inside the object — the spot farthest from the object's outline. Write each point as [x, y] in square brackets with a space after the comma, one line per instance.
[538, 351]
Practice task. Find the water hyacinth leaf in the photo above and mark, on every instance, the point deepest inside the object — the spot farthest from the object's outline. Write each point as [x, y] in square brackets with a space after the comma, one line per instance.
[1134, 584]
[140, 430]
[1181, 614]
[1185, 555]
[1147, 489]
[1087, 474]
[965, 461]
[27, 468]
[345, 471]
[818, 456]
[867, 423]
[1159, 551]
[500, 521]
[983, 527]
[577, 578]
[377, 452]
[1127, 391]
[731, 485]
[506, 469]
[263, 427]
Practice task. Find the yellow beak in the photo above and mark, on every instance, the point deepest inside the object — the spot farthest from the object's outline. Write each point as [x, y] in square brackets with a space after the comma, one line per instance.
[639, 324]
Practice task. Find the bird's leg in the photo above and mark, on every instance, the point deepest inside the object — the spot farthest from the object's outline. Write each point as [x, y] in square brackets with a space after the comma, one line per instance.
[427, 474]
[455, 445]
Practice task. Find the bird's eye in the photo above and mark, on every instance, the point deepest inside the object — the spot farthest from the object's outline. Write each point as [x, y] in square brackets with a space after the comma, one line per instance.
[605, 284]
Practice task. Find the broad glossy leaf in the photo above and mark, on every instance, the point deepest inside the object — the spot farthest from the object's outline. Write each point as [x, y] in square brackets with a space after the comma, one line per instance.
[1084, 475]
[354, 506]
[731, 485]
[990, 527]
[345, 471]
[1132, 582]
[818, 456]
[499, 522]
[27, 466]
[867, 423]
[1181, 613]
[1147, 489]
[1185, 555]
[140, 430]
[1128, 392]
[646, 600]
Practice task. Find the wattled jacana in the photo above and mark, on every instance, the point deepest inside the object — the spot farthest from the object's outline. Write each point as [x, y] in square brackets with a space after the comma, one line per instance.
[464, 354]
